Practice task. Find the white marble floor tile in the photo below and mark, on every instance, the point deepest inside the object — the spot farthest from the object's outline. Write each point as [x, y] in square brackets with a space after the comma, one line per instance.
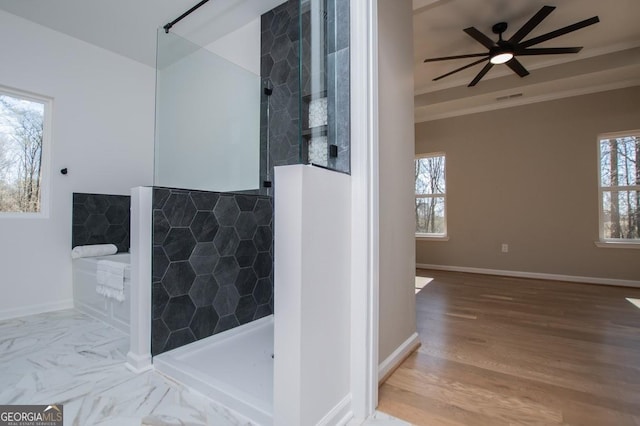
[68, 358]
[381, 419]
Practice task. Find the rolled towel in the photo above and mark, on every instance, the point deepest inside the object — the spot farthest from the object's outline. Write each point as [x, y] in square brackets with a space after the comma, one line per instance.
[93, 250]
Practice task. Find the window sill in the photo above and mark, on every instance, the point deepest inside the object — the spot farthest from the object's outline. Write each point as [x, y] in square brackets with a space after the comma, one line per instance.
[423, 237]
[616, 244]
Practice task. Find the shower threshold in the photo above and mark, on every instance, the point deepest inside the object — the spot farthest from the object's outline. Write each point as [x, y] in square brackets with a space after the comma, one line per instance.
[233, 368]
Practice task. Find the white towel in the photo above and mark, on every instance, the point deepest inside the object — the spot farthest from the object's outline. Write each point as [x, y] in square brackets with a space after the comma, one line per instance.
[93, 250]
[110, 276]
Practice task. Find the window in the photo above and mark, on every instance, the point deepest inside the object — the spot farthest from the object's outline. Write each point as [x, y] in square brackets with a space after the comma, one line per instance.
[619, 187]
[431, 219]
[24, 133]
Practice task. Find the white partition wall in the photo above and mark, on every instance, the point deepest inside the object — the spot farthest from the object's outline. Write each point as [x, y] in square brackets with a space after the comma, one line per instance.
[139, 356]
[312, 296]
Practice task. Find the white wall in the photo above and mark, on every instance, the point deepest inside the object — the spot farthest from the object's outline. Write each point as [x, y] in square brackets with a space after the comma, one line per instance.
[242, 46]
[208, 127]
[103, 114]
[396, 152]
[312, 336]
[537, 152]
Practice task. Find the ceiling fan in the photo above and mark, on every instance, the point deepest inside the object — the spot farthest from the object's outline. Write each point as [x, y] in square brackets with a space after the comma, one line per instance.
[505, 51]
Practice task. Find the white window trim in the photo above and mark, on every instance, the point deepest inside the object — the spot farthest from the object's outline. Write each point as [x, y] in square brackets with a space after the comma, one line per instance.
[45, 162]
[422, 236]
[603, 242]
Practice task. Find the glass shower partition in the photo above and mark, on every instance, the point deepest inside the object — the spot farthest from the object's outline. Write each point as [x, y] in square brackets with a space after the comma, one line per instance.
[207, 119]
[324, 84]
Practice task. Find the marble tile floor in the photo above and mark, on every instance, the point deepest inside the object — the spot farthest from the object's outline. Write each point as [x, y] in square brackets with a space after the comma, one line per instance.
[68, 358]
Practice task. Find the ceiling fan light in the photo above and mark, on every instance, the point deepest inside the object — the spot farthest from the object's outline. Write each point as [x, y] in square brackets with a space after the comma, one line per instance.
[501, 58]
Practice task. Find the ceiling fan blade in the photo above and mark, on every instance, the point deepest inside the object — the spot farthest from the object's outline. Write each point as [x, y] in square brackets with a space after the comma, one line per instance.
[517, 67]
[481, 74]
[461, 68]
[559, 32]
[479, 37]
[445, 58]
[531, 24]
[548, 51]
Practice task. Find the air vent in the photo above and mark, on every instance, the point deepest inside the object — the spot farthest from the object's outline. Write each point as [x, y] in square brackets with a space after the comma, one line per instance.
[504, 98]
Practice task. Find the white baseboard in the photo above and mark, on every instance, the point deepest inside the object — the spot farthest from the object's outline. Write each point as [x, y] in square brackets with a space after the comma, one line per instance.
[339, 415]
[138, 364]
[534, 275]
[394, 360]
[23, 311]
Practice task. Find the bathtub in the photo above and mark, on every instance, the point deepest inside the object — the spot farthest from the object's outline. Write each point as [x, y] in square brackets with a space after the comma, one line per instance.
[233, 368]
[88, 301]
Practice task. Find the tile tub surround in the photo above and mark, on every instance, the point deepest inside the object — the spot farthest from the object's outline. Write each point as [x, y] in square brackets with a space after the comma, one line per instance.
[69, 358]
[212, 264]
[101, 219]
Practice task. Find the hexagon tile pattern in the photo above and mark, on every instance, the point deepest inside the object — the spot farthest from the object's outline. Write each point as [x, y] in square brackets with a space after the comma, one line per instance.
[212, 264]
[101, 219]
[279, 68]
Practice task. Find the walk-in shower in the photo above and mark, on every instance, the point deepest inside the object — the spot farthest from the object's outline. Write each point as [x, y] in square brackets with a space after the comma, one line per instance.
[221, 128]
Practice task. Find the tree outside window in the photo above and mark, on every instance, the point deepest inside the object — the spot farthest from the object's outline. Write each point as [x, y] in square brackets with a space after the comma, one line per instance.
[21, 142]
[430, 205]
[620, 187]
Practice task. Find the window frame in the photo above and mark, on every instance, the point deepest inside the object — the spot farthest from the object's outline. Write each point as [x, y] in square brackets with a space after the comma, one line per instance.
[45, 161]
[434, 236]
[602, 240]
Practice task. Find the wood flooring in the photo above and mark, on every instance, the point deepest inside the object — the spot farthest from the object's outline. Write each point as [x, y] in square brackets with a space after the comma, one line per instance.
[508, 351]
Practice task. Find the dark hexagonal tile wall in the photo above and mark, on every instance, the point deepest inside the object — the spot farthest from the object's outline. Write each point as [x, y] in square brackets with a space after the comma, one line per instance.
[226, 270]
[226, 210]
[116, 215]
[160, 227]
[179, 244]
[159, 299]
[179, 338]
[179, 209]
[263, 264]
[101, 219]
[204, 226]
[206, 287]
[246, 253]
[263, 291]
[226, 300]
[246, 225]
[159, 335]
[178, 312]
[204, 258]
[246, 309]
[204, 322]
[204, 200]
[246, 281]
[263, 238]
[226, 241]
[178, 278]
[159, 263]
[280, 37]
[203, 290]
[226, 323]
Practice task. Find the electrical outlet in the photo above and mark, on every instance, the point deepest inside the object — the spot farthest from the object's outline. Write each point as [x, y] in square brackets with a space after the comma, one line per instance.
[505, 248]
